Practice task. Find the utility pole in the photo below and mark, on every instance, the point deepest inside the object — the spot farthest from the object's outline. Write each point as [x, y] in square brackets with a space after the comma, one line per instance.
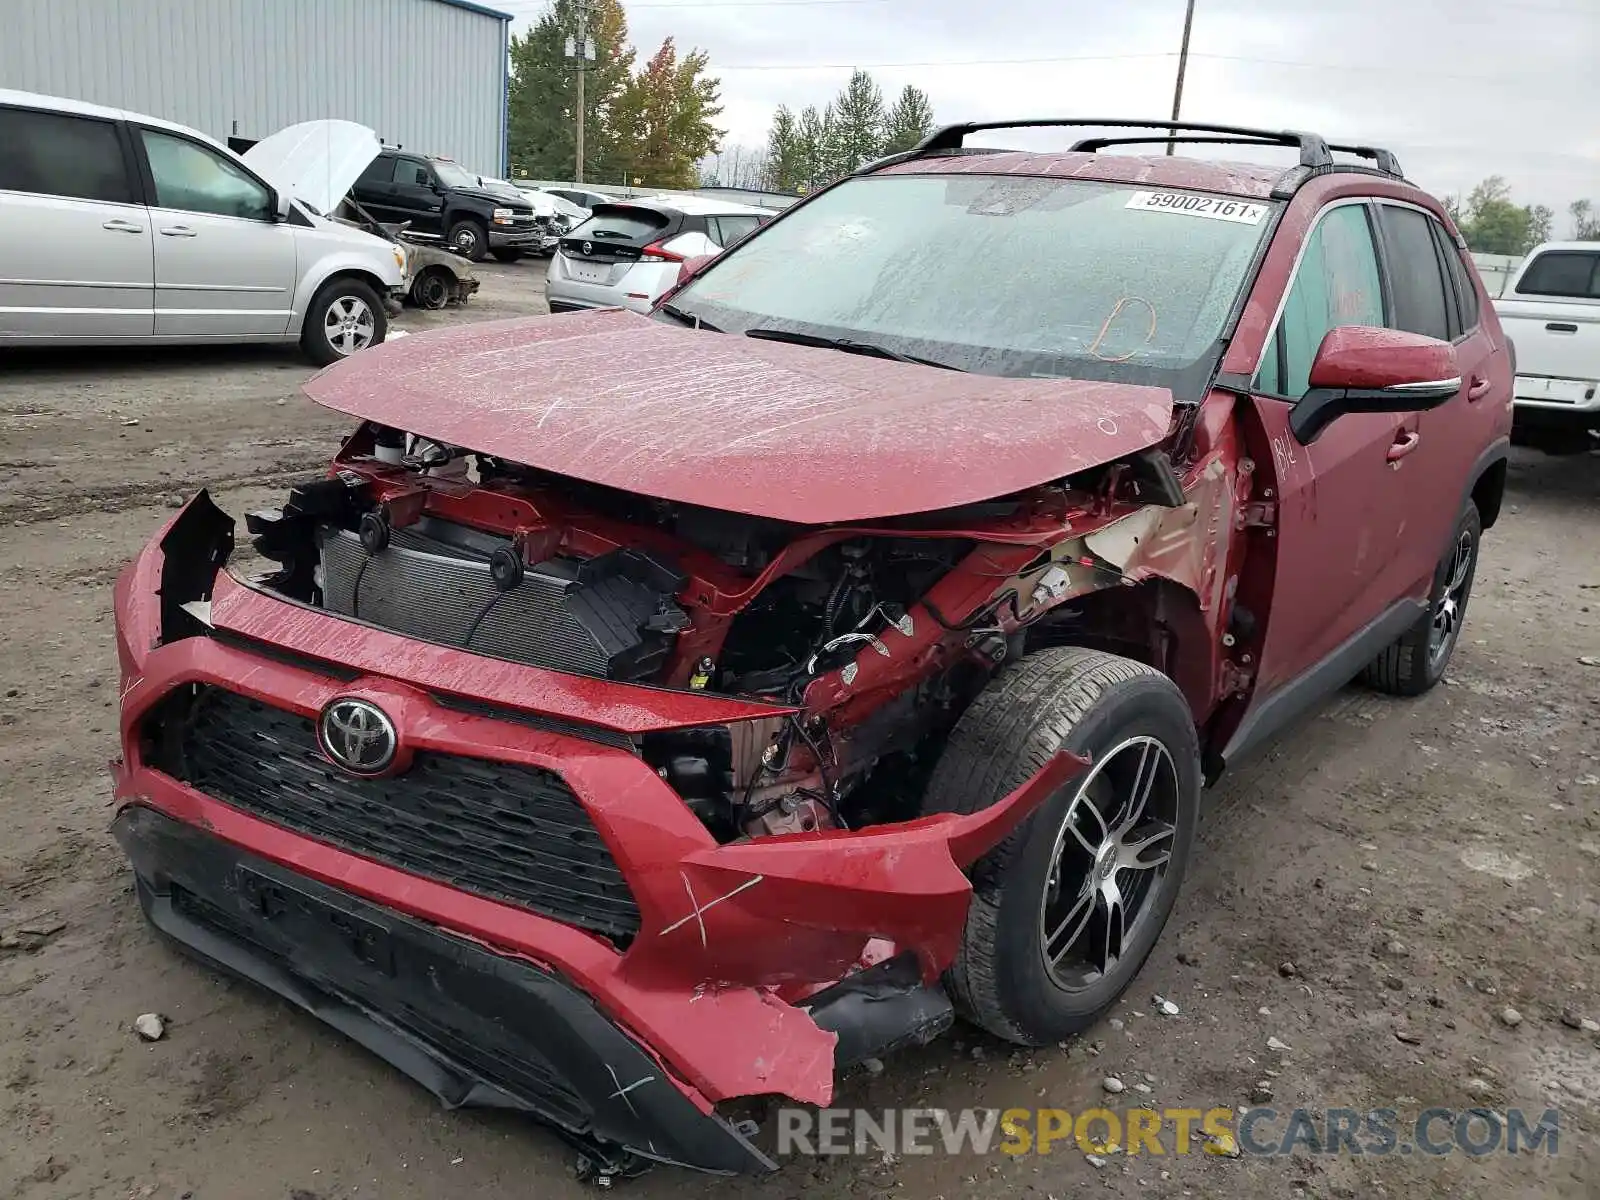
[580, 50]
[1183, 62]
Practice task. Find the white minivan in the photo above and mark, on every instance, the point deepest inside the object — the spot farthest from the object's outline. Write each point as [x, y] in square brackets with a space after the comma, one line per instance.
[117, 228]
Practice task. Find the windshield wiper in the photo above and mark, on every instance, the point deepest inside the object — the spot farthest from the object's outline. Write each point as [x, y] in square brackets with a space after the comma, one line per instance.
[847, 345]
[673, 311]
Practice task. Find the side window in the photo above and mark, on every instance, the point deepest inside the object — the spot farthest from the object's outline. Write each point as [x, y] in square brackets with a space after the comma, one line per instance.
[731, 229]
[52, 154]
[379, 170]
[1337, 283]
[1572, 273]
[414, 173]
[1466, 288]
[195, 178]
[1415, 274]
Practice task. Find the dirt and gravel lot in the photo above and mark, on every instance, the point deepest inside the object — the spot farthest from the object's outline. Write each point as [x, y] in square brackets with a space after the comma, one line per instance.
[1390, 868]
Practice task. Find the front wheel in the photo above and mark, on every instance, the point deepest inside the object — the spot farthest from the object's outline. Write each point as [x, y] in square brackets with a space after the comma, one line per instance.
[344, 316]
[1065, 910]
[1418, 658]
[469, 239]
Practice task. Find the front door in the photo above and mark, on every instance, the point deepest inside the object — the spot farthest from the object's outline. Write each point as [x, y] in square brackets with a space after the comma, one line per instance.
[225, 267]
[416, 196]
[75, 248]
[1343, 503]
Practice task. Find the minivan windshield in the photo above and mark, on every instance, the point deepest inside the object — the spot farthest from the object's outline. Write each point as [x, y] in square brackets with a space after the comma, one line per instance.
[996, 274]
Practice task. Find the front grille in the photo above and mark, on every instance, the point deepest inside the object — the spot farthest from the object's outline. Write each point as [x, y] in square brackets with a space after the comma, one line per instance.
[499, 830]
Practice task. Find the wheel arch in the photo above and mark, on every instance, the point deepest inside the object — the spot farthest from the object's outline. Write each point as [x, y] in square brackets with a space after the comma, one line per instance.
[336, 268]
[1488, 487]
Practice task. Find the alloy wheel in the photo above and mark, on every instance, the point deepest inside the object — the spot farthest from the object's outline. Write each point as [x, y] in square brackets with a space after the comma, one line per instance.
[1110, 855]
[350, 325]
[1452, 602]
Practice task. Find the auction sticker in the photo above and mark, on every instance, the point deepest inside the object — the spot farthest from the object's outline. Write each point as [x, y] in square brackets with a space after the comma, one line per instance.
[1187, 204]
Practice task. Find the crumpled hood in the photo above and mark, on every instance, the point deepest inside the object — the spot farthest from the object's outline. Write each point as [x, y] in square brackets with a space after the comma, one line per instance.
[794, 433]
[316, 161]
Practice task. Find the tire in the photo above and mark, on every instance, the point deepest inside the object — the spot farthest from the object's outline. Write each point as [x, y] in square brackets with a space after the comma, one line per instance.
[507, 254]
[469, 238]
[1114, 711]
[431, 289]
[1415, 662]
[327, 336]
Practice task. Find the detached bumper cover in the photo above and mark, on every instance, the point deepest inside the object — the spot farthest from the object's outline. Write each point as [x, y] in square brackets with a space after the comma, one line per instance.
[473, 1027]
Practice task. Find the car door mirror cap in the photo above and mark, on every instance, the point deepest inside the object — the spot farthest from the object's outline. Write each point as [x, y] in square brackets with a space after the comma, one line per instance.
[693, 265]
[280, 206]
[1360, 368]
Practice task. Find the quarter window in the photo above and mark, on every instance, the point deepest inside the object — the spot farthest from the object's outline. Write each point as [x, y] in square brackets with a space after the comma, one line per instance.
[195, 178]
[53, 154]
[1337, 284]
[1415, 274]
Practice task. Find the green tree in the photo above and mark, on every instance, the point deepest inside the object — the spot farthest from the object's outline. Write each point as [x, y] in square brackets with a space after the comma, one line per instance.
[1541, 220]
[1493, 224]
[813, 140]
[543, 95]
[786, 162]
[664, 119]
[858, 124]
[1585, 222]
[909, 121]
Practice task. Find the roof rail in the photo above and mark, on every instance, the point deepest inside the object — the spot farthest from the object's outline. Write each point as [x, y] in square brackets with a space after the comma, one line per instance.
[1315, 151]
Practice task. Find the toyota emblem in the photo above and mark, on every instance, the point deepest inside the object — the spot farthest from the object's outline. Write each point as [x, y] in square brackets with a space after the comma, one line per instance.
[588, 249]
[358, 736]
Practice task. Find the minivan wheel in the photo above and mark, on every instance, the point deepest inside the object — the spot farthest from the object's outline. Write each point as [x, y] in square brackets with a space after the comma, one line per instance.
[1067, 908]
[345, 316]
[431, 289]
[1417, 660]
[469, 239]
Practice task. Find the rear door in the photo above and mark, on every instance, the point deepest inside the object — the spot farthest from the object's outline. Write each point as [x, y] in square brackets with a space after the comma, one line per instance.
[75, 241]
[1342, 503]
[225, 265]
[1427, 299]
[1423, 301]
[374, 189]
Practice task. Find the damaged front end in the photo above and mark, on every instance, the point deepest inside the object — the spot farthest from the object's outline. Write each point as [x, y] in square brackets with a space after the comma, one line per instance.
[588, 804]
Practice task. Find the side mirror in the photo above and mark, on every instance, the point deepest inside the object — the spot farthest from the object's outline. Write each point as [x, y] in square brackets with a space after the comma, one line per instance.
[280, 206]
[693, 265]
[1360, 369]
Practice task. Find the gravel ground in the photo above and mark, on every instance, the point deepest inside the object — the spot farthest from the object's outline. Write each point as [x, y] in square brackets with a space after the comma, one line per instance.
[1389, 868]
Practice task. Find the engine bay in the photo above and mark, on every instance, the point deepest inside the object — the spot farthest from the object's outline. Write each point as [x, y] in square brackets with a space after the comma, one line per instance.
[875, 637]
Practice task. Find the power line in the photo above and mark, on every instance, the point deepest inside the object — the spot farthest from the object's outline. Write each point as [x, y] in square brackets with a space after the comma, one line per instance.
[963, 62]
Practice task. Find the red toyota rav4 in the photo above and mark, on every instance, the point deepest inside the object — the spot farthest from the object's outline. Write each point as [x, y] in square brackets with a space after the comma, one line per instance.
[649, 712]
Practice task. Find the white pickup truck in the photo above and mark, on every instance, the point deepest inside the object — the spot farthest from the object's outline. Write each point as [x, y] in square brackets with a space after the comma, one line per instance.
[1551, 312]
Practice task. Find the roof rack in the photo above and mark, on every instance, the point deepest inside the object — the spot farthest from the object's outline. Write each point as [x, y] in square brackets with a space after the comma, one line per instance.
[1315, 150]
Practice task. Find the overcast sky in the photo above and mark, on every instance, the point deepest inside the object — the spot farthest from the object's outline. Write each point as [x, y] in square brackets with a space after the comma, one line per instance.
[1459, 89]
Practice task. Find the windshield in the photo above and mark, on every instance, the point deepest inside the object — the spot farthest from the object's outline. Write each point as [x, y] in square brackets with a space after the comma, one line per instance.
[1000, 275]
[453, 174]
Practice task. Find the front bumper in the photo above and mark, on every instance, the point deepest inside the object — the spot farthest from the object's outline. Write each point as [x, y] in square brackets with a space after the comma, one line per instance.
[475, 1028]
[507, 237]
[731, 985]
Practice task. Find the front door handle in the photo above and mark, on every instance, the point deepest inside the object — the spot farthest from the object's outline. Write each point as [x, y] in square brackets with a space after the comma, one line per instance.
[1404, 445]
[177, 231]
[120, 226]
[1561, 327]
[1479, 388]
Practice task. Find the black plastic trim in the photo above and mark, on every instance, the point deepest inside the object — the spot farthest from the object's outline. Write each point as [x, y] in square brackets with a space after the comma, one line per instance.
[1271, 714]
[377, 975]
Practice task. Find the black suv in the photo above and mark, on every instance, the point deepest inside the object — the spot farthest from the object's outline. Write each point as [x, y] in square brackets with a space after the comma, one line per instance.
[442, 199]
